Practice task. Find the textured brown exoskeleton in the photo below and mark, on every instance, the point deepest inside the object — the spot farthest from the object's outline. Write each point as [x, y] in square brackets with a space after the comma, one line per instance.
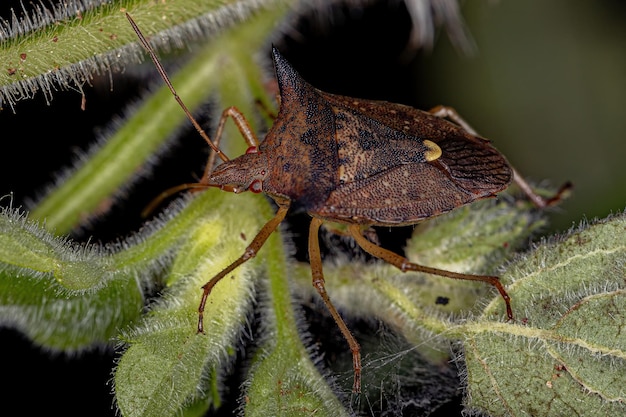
[359, 162]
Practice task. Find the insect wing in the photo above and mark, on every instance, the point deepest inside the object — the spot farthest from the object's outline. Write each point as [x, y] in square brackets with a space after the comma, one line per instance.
[402, 195]
[384, 176]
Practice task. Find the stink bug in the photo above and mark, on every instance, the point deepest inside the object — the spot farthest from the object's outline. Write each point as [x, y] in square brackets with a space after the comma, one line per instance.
[358, 162]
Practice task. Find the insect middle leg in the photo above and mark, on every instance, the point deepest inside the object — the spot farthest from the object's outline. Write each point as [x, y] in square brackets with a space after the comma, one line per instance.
[446, 112]
[317, 274]
[404, 265]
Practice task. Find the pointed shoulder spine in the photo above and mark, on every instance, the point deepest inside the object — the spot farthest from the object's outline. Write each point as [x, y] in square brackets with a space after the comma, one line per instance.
[288, 78]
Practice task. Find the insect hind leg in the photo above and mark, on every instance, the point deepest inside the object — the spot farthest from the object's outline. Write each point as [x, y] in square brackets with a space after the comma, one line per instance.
[404, 265]
[450, 113]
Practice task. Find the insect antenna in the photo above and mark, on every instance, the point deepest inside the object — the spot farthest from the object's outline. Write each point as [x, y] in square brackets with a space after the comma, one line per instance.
[196, 186]
[161, 70]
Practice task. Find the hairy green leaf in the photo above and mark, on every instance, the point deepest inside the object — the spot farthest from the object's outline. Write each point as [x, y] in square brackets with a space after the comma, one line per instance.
[223, 65]
[471, 240]
[283, 380]
[64, 45]
[63, 296]
[168, 364]
[567, 351]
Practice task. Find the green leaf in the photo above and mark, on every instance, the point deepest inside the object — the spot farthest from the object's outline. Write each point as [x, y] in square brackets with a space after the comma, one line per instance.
[169, 367]
[225, 63]
[564, 352]
[283, 380]
[63, 296]
[567, 351]
[471, 239]
[63, 46]
[167, 364]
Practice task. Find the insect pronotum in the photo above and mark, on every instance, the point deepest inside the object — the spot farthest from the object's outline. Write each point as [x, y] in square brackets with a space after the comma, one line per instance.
[359, 162]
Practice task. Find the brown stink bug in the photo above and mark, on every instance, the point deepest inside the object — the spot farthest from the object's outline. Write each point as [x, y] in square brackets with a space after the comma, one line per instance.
[358, 162]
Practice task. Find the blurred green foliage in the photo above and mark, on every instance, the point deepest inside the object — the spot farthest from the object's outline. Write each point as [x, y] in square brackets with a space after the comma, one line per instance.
[547, 84]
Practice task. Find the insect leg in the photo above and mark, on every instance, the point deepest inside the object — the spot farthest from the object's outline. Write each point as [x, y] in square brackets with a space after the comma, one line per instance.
[265, 109]
[538, 200]
[450, 113]
[446, 112]
[250, 252]
[318, 282]
[404, 265]
[244, 128]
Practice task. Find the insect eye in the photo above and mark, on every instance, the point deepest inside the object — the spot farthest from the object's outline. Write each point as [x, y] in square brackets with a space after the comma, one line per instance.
[256, 186]
[251, 149]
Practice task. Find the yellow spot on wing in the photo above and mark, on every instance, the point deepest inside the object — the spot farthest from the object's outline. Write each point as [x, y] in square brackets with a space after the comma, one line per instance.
[433, 151]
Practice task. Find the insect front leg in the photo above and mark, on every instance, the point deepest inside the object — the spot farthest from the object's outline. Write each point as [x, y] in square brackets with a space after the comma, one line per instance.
[247, 133]
[450, 113]
[250, 252]
[317, 275]
[404, 265]
[244, 128]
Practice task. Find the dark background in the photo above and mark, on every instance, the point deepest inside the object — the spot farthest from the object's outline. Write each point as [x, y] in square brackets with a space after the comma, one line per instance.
[547, 83]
